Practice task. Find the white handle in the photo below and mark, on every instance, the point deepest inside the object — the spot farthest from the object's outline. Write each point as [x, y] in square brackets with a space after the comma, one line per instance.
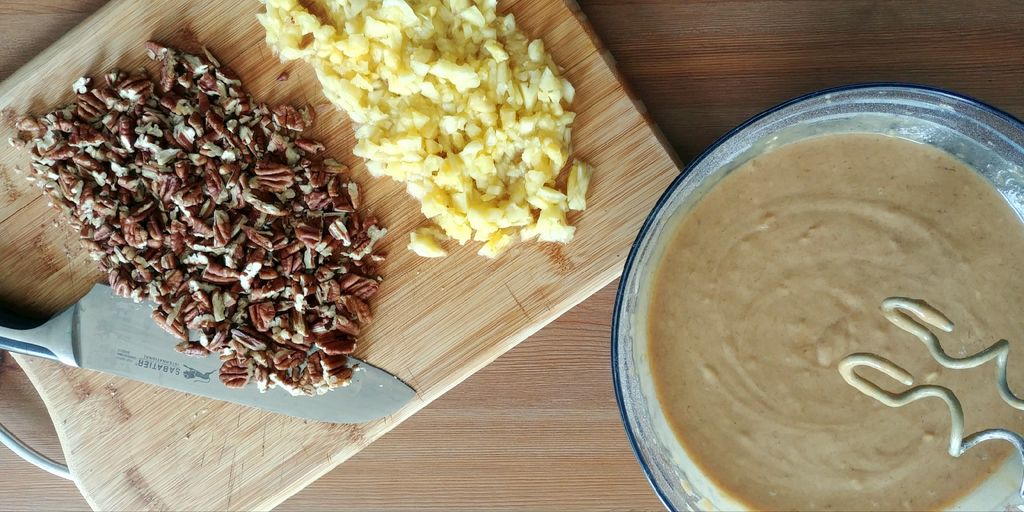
[32, 456]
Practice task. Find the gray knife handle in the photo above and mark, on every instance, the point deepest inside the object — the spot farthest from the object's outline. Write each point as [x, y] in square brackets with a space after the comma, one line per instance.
[51, 339]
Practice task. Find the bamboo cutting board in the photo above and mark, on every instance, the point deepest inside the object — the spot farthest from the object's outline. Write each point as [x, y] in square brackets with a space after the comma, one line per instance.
[132, 446]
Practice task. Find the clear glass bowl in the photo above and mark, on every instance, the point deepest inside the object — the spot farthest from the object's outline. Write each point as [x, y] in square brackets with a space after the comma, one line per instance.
[984, 137]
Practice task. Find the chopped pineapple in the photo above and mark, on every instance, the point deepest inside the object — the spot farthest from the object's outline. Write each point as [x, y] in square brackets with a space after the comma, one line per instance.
[424, 242]
[579, 182]
[449, 97]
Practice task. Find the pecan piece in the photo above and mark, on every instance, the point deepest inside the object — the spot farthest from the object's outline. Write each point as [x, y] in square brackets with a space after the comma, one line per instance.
[251, 339]
[31, 126]
[257, 238]
[192, 349]
[309, 146]
[219, 274]
[261, 314]
[287, 116]
[362, 287]
[176, 328]
[83, 135]
[309, 233]
[343, 325]
[315, 369]
[90, 108]
[339, 231]
[318, 200]
[121, 283]
[286, 359]
[358, 308]
[273, 176]
[221, 228]
[235, 373]
[60, 152]
[335, 373]
[219, 341]
[135, 90]
[335, 343]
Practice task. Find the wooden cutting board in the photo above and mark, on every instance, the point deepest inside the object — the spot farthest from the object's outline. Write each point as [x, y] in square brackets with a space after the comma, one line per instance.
[133, 446]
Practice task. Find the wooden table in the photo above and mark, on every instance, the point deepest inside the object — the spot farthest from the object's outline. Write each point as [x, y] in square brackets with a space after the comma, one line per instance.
[538, 429]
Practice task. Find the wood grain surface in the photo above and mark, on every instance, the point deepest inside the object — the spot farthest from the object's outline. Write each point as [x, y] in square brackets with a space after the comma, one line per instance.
[133, 446]
[701, 67]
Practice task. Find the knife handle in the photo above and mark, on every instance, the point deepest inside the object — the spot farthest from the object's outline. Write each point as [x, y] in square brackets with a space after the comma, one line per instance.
[51, 339]
[41, 338]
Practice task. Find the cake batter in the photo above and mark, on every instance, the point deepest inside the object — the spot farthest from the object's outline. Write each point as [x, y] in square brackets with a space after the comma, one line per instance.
[778, 273]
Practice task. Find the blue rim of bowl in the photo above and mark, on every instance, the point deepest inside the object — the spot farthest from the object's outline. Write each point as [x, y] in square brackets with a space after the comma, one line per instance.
[658, 206]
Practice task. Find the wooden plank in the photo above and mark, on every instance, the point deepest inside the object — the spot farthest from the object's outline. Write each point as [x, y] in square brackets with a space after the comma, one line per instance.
[704, 66]
[132, 446]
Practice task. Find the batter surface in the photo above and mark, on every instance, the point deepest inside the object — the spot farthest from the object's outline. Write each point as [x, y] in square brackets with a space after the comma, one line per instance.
[778, 273]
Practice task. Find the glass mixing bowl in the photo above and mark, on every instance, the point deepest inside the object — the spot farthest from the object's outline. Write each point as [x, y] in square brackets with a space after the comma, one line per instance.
[984, 137]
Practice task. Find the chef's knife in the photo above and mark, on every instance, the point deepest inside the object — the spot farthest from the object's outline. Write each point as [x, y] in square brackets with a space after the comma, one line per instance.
[115, 335]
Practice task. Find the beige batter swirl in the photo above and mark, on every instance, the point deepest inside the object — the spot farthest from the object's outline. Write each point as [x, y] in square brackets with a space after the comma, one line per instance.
[778, 273]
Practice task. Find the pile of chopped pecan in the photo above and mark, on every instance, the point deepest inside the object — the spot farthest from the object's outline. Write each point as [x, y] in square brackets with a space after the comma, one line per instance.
[191, 194]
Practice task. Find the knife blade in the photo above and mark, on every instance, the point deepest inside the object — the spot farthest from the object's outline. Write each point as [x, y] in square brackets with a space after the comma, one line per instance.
[114, 335]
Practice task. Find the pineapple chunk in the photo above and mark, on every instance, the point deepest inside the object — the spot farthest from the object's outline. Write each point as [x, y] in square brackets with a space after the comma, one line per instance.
[579, 182]
[424, 242]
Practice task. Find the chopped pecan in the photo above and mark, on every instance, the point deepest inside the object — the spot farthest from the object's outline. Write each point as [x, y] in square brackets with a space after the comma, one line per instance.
[261, 314]
[221, 228]
[176, 328]
[314, 368]
[362, 287]
[274, 177]
[135, 90]
[235, 373]
[251, 339]
[343, 325]
[309, 233]
[257, 238]
[60, 152]
[83, 135]
[335, 343]
[286, 359]
[219, 341]
[31, 126]
[311, 147]
[358, 308]
[219, 274]
[121, 283]
[90, 108]
[192, 349]
[335, 373]
[339, 231]
[288, 117]
[194, 196]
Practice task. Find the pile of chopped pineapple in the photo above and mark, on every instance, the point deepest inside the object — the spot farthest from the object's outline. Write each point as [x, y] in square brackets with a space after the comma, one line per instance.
[452, 99]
